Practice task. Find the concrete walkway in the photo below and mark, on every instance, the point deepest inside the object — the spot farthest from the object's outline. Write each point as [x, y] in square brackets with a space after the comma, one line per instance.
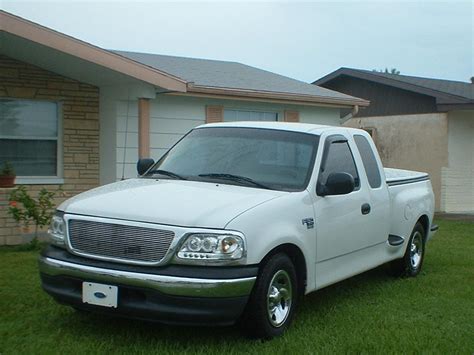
[465, 217]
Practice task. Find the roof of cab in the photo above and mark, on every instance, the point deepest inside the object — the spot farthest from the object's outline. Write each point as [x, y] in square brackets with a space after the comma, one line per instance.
[284, 126]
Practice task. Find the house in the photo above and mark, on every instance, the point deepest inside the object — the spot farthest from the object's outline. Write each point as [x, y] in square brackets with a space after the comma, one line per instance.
[75, 116]
[420, 124]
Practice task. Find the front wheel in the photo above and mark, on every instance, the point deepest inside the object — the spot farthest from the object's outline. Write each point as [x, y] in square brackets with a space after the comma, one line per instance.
[412, 261]
[273, 301]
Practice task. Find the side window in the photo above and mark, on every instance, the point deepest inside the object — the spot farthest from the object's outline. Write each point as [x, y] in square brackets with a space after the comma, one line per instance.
[340, 160]
[370, 163]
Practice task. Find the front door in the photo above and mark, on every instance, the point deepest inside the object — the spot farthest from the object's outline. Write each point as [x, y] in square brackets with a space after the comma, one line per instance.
[341, 221]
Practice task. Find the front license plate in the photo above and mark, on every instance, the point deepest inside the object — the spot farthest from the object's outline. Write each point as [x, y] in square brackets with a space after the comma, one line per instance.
[99, 294]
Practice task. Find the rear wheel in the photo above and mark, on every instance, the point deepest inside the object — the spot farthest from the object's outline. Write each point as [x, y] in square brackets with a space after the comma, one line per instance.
[273, 301]
[412, 261]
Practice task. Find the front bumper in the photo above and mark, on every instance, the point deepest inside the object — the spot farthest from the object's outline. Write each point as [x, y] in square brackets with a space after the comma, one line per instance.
[171, 294]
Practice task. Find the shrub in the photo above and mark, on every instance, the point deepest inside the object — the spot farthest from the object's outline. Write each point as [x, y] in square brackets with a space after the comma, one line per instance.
[26, 209]
[7, 169]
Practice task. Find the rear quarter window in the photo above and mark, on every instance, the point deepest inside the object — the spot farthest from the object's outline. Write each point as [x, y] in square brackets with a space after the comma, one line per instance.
[370, 162]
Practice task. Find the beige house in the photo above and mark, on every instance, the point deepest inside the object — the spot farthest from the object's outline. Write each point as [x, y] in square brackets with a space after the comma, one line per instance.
[75, 116]
[418, 124]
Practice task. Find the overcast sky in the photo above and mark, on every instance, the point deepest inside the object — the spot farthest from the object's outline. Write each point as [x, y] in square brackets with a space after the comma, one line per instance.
[303, 40]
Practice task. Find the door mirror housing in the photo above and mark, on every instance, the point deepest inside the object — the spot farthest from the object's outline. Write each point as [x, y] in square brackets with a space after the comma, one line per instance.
[144, 164]
[337, 184]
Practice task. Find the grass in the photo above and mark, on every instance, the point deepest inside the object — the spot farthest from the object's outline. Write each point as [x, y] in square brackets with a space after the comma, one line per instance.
[369, 313]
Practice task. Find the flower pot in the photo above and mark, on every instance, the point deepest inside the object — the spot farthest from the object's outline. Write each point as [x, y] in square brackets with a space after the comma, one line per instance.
[7, 181]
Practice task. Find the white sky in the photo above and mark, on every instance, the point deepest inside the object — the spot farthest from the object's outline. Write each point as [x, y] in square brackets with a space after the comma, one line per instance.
[303, 40]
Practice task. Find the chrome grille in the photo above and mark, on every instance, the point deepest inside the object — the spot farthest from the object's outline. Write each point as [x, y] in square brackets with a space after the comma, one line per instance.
[118, 241]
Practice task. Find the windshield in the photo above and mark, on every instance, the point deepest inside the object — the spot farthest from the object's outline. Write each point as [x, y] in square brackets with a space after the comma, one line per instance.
[261, 158]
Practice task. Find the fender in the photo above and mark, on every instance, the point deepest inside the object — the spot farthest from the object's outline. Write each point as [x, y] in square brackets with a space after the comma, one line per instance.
[280, 221]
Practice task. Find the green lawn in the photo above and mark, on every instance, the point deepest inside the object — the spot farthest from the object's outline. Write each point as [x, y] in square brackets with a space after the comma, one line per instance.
[433, 312]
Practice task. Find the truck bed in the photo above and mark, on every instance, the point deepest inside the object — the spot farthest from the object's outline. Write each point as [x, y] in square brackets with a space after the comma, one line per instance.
[400, 177]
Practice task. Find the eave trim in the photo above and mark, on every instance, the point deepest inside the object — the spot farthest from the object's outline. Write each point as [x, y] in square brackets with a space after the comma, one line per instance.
[296, 98]
[42, 35]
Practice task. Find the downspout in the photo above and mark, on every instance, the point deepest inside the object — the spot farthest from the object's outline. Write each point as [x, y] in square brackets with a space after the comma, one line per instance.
[355, 111]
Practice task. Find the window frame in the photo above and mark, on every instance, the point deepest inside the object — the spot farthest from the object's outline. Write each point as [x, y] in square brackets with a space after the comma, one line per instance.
[363, 162]
[328, 141]
[249, 110]
[43, 180]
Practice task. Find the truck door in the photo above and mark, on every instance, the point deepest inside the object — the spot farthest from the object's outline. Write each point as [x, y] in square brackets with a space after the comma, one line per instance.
[341, 220]
[378, 218]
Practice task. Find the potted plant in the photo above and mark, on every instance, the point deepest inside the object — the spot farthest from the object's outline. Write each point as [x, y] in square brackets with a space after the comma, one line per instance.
[7, 175]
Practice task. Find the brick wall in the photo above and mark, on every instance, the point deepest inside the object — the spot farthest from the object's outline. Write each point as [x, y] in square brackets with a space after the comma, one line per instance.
[80, 121]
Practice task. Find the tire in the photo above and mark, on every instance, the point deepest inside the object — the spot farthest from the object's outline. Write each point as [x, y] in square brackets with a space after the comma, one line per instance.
[411, 263]
[273, 301]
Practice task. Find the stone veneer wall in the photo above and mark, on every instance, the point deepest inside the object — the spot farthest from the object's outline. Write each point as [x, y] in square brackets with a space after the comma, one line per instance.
[80, 123]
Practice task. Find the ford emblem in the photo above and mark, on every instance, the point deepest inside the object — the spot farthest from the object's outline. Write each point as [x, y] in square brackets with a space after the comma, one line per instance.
[100, 295]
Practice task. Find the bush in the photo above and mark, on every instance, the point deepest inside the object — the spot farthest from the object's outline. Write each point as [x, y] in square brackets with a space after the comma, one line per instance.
[25, 209]
[7, 169]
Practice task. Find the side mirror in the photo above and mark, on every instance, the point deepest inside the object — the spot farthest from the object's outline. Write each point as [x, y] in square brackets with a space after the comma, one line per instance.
[144, 164]
[337, 184]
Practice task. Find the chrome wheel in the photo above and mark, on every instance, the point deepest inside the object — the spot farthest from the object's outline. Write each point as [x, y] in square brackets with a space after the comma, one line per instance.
[279, 298]
[416, 250]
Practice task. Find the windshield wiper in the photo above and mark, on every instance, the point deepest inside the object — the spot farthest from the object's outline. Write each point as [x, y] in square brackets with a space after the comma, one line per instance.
[167, 173]
[237, 178]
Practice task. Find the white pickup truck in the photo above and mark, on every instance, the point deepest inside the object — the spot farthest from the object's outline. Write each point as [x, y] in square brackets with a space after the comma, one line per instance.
[236, 222]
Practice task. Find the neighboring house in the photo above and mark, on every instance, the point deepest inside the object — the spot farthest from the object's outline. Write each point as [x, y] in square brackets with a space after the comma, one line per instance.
[75, 116]
[420, 124]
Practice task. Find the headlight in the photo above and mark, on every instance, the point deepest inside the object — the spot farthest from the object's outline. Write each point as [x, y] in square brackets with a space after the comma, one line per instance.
[57, 229]
[212, 247]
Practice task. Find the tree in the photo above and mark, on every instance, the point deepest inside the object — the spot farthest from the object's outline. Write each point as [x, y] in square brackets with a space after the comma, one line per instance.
[386, 71]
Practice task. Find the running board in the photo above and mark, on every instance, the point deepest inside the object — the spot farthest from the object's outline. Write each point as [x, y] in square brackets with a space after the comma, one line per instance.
[395, 240]
[434, 228]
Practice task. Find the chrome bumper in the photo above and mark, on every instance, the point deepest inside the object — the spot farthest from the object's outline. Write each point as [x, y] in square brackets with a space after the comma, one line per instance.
[171, 285]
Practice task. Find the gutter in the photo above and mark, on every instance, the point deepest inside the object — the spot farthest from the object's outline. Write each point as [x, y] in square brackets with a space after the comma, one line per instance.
[355, 111]
[274, 95]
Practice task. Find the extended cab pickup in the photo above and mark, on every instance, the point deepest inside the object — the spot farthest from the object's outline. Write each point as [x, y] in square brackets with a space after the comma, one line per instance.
[236, 222]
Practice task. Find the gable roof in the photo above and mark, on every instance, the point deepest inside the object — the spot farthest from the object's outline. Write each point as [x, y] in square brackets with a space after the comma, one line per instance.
[445, 91]
[165, 73]
[17, 33]
[232, 76]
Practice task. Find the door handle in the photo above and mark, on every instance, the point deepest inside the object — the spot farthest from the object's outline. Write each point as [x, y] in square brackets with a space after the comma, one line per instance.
[365, 209]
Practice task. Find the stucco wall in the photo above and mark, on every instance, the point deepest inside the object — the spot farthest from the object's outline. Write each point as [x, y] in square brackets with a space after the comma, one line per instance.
[173, 116]
[413, 142]
[458, 176]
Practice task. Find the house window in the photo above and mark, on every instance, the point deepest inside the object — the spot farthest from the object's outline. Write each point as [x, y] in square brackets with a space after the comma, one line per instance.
[29, 139]
[232, 115]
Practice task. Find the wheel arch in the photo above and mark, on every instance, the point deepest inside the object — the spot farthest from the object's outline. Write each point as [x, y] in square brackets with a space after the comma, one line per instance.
[425, 222]
[297, 258]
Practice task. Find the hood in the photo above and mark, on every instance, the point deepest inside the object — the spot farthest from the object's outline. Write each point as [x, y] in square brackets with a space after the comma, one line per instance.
[165, 201]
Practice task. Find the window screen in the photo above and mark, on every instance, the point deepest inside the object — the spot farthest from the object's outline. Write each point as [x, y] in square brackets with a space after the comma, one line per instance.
[231, 115]
[29, 136]
[340, 160]
[370, 163]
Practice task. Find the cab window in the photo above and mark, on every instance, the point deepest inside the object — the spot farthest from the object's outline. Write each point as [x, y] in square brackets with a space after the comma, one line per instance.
[340, 160]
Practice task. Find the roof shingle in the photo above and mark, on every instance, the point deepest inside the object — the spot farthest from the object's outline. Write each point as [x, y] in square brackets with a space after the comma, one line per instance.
[457, 90]
[232, 75]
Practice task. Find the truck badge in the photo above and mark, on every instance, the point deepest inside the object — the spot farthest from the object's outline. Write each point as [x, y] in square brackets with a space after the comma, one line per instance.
[309, 222]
